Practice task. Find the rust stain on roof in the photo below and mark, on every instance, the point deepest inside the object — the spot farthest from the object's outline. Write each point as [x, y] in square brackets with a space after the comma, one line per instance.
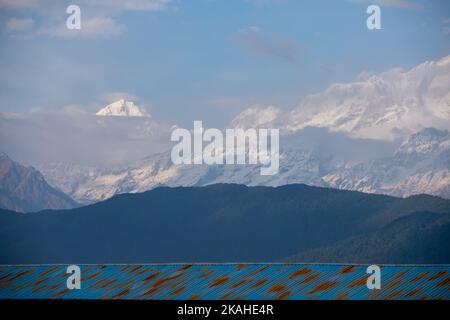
[225, 281]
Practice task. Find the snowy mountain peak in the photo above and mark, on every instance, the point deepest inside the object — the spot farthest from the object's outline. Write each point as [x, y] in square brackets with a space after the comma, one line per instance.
[255, 117]
[425, 141]
[444, 61]
[123, 108]
[386, 106]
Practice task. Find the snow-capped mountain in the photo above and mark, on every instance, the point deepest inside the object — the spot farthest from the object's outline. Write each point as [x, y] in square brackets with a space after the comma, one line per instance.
[390, 105]
[256, 117]
[123, 108]
[393, 105]
[89, 184]
[420, 165]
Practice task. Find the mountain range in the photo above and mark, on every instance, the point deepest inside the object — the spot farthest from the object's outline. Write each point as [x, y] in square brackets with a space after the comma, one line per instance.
[392, 104]
[419, 165]
[24, 189]
[230, 223]
[406, 108]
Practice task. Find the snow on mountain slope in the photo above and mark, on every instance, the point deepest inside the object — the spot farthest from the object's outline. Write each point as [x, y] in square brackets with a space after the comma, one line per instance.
[420, 165]
[384, 106]
[256, 117]
[427, 142]
[89, 184]
[123, 108]
[393, 104]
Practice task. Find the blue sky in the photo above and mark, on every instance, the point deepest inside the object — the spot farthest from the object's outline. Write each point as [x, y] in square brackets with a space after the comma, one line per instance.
[205, 59]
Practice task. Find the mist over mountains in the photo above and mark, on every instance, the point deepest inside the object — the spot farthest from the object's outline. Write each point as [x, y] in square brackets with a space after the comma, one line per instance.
[74, 135]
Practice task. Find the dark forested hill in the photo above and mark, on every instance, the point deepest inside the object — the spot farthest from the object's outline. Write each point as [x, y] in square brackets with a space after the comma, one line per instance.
[231, 223]
[420, 237]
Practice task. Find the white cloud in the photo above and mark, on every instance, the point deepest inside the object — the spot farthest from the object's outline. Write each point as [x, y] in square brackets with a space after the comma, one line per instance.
[74, 135]
[98, 17]
[17, 4]
[94, 27]
[406, 4]
[384, 106]
[42, 6]
[363, 76]
[17, 24]
[128, 5]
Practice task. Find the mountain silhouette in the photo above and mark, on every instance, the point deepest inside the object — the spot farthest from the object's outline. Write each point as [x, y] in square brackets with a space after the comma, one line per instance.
[24, 189]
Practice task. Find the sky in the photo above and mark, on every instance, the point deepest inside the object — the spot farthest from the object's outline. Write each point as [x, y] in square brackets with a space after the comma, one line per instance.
[204, 59]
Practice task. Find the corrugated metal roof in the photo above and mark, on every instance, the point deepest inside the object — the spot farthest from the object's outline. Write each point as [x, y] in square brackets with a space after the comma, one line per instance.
[225, 281]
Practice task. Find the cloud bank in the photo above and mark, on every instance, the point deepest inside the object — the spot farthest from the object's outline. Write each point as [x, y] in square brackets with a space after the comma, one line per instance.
[99, 17]
[388, 106]
[73, 135]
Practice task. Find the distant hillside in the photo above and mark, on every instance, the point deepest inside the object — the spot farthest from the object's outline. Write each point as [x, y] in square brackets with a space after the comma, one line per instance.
[231, 223]
[421, 237]
[24, 189]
